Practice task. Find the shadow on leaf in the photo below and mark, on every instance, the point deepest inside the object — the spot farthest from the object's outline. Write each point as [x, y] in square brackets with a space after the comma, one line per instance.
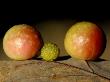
[99, 60]
[63, 58]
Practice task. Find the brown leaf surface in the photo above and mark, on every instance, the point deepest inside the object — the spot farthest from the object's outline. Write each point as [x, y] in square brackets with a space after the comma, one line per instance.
[41, 71]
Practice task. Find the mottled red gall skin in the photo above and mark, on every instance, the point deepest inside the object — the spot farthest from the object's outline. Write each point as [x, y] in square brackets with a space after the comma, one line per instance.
[22, 42]
[85, 40]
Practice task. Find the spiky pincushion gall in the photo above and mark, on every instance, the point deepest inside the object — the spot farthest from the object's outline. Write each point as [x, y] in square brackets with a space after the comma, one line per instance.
[49, 51]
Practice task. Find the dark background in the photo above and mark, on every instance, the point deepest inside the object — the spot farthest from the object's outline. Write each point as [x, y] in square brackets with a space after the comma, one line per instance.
[10, 18]
[54, 18]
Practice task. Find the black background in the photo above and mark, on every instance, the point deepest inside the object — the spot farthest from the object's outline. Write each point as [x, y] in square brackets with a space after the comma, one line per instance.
[39, 12]
[18, 12]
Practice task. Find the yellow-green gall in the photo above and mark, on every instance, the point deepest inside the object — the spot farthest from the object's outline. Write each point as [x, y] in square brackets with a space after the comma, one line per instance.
[49, 51]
